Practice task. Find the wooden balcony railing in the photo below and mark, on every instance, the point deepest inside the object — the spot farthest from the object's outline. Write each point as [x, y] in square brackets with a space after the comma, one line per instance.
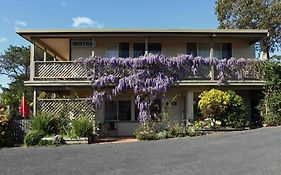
[70, 71]
[59, 70]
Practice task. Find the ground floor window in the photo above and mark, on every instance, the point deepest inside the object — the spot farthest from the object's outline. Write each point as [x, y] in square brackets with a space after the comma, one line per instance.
[118, 110]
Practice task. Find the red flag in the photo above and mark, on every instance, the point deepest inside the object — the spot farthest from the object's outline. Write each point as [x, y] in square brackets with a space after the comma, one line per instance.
[23, 107]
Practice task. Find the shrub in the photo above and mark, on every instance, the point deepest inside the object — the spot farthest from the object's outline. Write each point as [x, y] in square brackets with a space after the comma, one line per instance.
[6, 138]
[82, 127]
[191, 131]
[148, 130]
[227, 107]
[63, 121]
[162, 134]
[175, 129]
[33, 138]
[212, 103]
[57, 140]
[207, 123]
[145, 133]
[45, 143]
[235, 114]
[44, 122]
[272, 120]
[154, 131]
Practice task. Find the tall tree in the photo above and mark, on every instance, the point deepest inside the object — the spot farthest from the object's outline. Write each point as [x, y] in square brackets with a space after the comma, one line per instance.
[14, 63]
[252, 14]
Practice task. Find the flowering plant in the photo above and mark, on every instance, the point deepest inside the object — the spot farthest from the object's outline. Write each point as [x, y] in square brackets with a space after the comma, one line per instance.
[151, 75]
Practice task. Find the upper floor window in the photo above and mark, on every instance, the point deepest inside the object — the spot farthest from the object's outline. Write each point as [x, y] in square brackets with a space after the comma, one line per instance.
[154, 48]
[139, 48]
[221, 50]
[191, 49]
[117, 50]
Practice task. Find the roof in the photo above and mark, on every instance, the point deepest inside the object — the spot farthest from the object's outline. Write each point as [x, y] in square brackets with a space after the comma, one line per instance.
[27, 33]
[126, 30]
[41, 35]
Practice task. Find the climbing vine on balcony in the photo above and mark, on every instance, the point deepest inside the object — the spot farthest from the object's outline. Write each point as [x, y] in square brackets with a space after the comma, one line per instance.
[151, 75]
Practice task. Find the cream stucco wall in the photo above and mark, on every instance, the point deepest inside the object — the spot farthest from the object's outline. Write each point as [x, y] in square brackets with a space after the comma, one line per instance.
[171, 46]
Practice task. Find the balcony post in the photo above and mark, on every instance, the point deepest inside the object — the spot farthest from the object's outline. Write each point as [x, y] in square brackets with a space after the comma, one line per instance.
[146, 45]
[45, 55]
[32, 64]
[93, 47]
[212, 71]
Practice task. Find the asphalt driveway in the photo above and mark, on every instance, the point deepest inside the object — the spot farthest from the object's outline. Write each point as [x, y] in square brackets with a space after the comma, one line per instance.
[255, 152]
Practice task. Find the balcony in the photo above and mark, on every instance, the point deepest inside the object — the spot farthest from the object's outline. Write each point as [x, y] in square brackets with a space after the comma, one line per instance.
[59, 71]
[53, 73]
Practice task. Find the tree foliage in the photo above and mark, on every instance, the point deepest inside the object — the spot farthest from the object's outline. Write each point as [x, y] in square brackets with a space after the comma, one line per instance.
[14, 63]
[235, 114]
[270, 106]
[252, 14]
[11, 96]
[6, 138]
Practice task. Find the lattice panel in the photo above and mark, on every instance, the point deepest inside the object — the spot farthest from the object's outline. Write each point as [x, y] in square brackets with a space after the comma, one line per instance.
[203, 71]
[248, 72]
[67, 70]
[71, 107]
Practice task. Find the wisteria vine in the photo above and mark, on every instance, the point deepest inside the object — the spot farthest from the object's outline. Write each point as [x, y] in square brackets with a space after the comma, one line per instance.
[151, 75]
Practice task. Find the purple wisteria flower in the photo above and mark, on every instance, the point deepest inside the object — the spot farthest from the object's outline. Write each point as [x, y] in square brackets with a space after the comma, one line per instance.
[150, 76]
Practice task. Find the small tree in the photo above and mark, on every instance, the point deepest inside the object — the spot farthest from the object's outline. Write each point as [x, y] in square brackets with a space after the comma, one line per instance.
[213, 103]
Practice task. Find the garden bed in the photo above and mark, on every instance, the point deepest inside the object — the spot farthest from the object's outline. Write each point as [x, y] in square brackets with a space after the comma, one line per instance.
[69, 141]
[223, 129]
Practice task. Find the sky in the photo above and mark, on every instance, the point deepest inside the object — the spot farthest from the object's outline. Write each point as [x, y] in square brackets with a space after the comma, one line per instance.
[61, 14]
